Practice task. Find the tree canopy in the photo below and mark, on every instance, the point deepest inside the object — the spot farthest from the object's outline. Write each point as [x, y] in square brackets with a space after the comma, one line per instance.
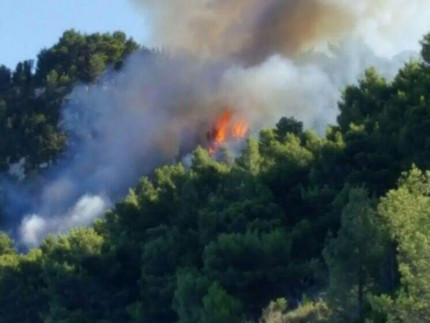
[296, 228]
[32, 95]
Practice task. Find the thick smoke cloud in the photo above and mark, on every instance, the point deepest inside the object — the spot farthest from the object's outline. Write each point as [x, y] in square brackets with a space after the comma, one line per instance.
[250, 55]
[252, 30]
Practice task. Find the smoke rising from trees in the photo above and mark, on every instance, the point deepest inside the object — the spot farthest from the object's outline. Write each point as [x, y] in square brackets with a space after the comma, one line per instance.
[266, 59]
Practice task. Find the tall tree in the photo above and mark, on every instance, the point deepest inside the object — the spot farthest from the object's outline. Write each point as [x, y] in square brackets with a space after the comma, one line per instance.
[353, 255]
[406, 215]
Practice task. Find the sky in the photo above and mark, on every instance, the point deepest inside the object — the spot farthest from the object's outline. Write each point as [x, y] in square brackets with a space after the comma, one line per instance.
[27, 26]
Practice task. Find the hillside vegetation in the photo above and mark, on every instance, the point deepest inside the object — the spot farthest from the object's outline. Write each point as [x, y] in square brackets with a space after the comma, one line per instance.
[298, 228]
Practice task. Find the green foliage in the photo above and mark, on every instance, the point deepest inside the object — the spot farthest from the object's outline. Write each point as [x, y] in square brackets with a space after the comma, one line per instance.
[6, 245]
[294, 213]
[362, 102]
[191, 288]
[219, 307]
[70, 265]
[275, 312]
[83, 57]
[23, 297]
[354, 256]
[253, 266]
[31, 96]
[250, 158]
[405, 212]
[309, 312]
[286, 126]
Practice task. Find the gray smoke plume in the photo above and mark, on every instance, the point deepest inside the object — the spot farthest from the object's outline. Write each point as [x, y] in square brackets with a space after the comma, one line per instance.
[253, 56]
[252, 30]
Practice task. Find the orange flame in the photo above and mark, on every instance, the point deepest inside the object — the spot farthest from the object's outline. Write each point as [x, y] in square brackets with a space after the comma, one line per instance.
[225, 128]
[220, 131]
[239, 129]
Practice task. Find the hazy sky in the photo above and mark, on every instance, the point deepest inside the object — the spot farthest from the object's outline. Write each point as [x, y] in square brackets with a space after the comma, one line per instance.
[27, 26]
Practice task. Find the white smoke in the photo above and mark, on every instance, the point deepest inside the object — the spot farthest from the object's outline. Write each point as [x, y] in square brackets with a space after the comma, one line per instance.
[34, 228]
[159, 108]
[279, 87]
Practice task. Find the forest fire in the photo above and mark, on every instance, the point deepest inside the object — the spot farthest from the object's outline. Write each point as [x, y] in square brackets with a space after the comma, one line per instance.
[226, 128]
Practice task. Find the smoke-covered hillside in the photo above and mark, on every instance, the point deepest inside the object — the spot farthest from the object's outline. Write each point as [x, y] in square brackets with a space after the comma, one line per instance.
[264, 166]
[256, 60]
[304, 221]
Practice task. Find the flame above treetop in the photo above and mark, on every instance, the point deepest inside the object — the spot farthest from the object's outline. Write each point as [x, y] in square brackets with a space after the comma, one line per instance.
[226, 128]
